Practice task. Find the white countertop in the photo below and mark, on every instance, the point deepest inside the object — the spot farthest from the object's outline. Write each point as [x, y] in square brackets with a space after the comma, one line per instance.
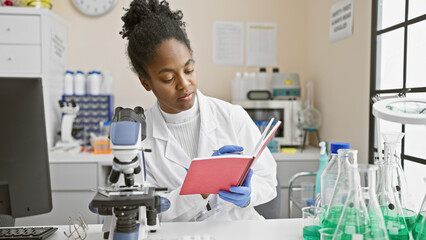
[83, 157]
[309, 154]
[222, 230]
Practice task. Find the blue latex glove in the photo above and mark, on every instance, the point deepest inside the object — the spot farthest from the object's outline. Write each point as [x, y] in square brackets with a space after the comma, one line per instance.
[228, 149]
[240, 195]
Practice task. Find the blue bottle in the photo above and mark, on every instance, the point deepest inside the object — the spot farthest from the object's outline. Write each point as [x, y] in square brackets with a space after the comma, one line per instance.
[323, 163]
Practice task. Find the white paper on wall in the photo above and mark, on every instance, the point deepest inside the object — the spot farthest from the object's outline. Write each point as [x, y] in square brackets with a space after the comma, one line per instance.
[261, 47]
[228, 43]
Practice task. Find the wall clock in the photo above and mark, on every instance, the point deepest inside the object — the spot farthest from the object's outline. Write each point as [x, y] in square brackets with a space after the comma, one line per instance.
[94, 8]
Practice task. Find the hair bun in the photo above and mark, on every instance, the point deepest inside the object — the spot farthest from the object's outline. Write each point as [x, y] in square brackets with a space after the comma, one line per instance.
[141, 11]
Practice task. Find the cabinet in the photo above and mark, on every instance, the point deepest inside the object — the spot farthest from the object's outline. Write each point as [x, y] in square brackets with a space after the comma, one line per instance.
[33, 44]
[290, 164]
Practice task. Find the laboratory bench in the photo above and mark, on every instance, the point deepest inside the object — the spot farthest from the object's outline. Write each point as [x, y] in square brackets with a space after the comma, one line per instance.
[75, 176]
[274, 229]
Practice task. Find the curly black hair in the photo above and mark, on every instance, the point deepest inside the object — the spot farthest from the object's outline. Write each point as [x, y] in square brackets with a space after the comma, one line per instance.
[147, 23]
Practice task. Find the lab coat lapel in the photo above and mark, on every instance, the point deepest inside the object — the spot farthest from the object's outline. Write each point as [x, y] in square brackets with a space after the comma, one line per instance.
[172, 150]
[207, 140]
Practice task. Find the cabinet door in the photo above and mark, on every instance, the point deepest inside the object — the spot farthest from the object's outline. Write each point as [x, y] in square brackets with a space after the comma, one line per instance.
[20, 29]
[20, 59]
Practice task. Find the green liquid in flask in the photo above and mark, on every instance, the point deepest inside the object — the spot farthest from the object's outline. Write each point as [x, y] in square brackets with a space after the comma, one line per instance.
[419, 231]
[311, 232]
[333, 217]
[397, 228]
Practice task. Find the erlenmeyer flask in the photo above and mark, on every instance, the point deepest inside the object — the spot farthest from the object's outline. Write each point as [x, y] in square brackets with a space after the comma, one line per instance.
[354, 222]
[377, 228]
[331, 173]
[391, 191]
[419, 230]
[339, 192]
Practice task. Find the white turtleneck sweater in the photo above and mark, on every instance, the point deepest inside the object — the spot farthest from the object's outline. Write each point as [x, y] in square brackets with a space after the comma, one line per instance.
[185, 128]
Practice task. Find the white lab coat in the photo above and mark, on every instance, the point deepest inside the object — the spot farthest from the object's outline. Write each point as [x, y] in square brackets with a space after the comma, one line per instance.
[221, 124]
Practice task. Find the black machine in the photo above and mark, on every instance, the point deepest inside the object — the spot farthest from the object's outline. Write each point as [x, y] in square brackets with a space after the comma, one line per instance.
[24, 165]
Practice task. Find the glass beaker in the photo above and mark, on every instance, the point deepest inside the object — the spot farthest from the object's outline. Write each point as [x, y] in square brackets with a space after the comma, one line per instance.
[391, 190]
[419, 230]
[311, 222]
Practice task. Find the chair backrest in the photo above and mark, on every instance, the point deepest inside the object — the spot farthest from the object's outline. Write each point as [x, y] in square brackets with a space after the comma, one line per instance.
[271, 209]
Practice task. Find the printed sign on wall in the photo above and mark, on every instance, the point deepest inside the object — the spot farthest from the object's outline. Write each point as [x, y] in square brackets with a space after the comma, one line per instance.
[341, 20]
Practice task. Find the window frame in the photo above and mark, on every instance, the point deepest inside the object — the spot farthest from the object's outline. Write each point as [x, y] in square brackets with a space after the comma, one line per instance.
[373, 74]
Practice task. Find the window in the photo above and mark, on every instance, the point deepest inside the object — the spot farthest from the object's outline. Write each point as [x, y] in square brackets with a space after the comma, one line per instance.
[398, 63]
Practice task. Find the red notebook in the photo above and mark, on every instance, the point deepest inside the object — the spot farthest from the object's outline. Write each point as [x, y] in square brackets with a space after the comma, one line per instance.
[209, 175]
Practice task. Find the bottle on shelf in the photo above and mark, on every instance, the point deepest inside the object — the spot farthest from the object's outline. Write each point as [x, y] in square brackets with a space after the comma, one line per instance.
[263, 80]
[237, 87]
[69, 83]
[79, 83]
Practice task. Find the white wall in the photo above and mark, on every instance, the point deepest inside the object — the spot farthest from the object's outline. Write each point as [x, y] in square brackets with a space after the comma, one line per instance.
[94, 43]
[341, 74]
[339, 70]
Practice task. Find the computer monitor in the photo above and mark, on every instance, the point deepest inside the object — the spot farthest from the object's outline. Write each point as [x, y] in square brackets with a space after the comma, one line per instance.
[24, 164]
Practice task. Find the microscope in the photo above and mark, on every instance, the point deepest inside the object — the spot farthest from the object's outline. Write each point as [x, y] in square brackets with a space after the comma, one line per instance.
[134, 207]
[69, 112]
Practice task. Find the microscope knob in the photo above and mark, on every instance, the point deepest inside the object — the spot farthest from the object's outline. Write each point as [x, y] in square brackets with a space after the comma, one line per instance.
[164, 204]
[139, 110]
[114, 176]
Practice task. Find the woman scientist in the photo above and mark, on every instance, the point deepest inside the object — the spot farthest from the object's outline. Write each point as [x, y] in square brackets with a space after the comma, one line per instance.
[184, 123]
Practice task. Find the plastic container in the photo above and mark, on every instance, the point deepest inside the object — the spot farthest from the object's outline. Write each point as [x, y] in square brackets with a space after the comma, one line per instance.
[69, 83]
[237, 87]
[79, 83]
[94, 83]
[323, 163]
[101, 145]
[263, 80]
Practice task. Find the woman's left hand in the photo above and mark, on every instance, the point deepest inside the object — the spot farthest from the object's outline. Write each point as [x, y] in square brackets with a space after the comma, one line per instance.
[239, 195]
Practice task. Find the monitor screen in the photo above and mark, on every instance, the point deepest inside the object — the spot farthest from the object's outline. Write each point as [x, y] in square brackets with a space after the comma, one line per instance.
[24, 166]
